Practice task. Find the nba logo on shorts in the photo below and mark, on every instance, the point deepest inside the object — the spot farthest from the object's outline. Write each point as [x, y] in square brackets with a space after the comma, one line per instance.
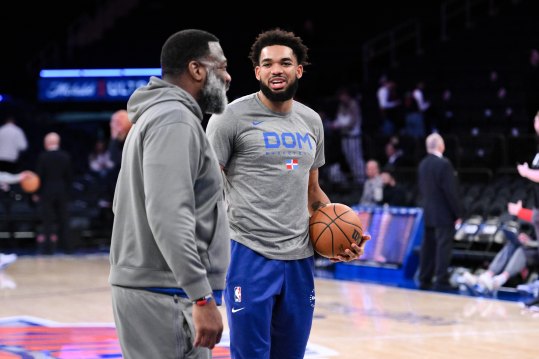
[237, 294]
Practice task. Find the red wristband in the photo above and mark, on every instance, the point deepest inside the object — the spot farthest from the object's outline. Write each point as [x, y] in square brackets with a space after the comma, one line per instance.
[525, 214]
[203, 301]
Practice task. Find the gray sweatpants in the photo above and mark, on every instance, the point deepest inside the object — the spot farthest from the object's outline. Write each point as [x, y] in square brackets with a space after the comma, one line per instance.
[513, 259]
[154, 325]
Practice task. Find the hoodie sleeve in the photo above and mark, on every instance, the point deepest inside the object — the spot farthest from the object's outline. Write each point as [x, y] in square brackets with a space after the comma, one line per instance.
[172, 154]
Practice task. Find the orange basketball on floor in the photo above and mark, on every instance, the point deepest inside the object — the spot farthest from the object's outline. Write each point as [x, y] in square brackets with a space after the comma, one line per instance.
[334, 228]
[31, 183]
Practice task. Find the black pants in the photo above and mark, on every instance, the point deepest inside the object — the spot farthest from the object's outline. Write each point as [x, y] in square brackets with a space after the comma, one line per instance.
[436, 252]
[54, 216]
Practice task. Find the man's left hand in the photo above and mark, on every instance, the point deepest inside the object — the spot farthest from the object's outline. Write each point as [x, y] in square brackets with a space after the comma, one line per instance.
[353, 253]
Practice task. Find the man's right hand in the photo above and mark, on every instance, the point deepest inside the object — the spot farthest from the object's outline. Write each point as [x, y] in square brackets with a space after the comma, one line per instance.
[208, 325]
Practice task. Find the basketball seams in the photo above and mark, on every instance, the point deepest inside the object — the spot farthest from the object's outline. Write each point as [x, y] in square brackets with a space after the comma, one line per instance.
[351, 223]
[344, 233]
[328, 216]
[338, 216]
[322, 232]
[333, 237]
[328, 226]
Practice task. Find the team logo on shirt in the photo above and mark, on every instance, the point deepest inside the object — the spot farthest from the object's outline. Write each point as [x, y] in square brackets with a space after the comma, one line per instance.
[287, 140]
[292, 164]
[237, 294]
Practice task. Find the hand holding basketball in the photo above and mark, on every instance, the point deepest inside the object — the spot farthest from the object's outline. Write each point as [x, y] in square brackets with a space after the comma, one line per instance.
[30, 181]
[336, 233]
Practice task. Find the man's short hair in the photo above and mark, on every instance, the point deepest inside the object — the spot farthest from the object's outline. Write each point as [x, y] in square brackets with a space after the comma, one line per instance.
[183, 47]
[279, 37]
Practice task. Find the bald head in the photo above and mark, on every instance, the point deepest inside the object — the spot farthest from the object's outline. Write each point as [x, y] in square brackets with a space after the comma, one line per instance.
[51, 141]
[119, 125]
[435, 143]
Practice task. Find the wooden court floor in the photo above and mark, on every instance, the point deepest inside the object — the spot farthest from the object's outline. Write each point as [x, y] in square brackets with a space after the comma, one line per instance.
[352, 319]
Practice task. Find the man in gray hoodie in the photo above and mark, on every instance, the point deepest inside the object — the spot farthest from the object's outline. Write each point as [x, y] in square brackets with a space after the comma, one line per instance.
[170, 240]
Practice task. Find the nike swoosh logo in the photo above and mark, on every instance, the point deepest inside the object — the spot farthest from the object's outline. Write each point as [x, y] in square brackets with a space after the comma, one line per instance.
[256, 123]
[234, 310]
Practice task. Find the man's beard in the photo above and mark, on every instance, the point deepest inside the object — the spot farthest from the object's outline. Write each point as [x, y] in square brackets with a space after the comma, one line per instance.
[213, 97]
[285, 95]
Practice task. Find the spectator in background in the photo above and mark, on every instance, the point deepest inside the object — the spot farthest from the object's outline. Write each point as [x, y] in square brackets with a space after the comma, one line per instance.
[416, 108]
[373, 187]
[348, 122]
[389, 105]
[394, 154]
[12, 143]
[421, 98]
[393, 193]
[336, 169]
[55, 172]
[515, 256]
[119, 128]
[99, 160]
[531, 172]
[7, 178]
[439, 198]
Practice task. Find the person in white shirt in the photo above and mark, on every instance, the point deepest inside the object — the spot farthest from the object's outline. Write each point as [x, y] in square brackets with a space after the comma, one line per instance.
[389, 105]
[348, 122]
[12, 143]
[373, 189]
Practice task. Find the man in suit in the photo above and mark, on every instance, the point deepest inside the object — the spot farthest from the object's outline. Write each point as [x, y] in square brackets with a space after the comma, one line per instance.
[441, 209]
[54, 170]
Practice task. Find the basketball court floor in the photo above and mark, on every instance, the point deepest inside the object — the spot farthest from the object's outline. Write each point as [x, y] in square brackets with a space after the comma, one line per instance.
[59, 307]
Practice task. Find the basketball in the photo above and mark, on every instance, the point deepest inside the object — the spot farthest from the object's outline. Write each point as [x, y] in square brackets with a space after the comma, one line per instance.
[31, 183]
[334, 228]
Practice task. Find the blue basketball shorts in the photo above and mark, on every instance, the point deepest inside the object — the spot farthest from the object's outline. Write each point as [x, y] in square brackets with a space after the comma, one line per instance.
[270, 305]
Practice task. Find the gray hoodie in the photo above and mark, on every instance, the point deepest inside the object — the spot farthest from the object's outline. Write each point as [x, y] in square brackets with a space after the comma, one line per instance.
[170, 226]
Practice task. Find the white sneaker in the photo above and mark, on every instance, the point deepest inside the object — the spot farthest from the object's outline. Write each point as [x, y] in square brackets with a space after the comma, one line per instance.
[7, 259]
[498, 281]
[486, 282]
[468, 279]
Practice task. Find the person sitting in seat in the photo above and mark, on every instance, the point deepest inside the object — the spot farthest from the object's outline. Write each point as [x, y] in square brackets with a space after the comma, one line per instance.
[515, 256]
[394, 193]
